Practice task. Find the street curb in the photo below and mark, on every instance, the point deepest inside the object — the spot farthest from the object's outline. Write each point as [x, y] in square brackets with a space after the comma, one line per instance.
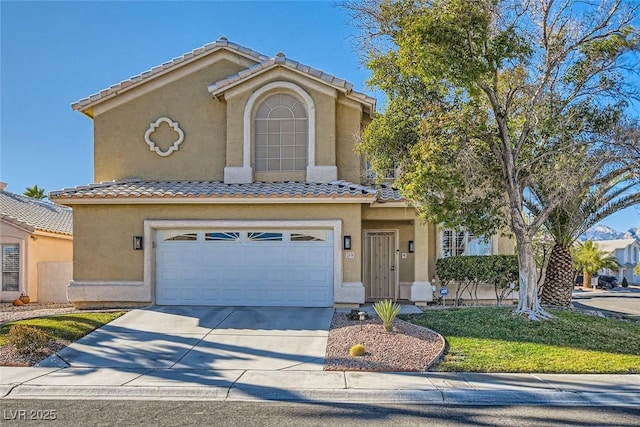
[118, 393]
[540, 397]
[458, 397]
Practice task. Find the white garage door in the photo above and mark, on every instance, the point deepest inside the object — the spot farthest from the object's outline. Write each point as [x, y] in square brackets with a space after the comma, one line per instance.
[245, 268]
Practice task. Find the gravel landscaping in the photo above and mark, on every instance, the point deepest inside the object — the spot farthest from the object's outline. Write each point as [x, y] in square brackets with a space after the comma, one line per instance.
[10, 312]
[408, 348]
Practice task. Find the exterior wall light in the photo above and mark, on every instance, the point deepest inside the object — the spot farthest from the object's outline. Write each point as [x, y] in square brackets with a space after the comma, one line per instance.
[137, 243]
[346, 243]
[411, 247]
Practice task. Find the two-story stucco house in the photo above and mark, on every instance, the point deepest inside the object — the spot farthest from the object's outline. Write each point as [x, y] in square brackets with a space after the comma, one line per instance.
[627, 255]
[227, 177]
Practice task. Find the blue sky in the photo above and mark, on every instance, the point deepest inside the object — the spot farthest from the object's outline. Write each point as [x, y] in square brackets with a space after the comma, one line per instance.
[55, 53]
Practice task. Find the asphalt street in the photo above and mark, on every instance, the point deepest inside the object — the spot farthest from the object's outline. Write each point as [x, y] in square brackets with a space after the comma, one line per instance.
[620, 301]
[243, 414]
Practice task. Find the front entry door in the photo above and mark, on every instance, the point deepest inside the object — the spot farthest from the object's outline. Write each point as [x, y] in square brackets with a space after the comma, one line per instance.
[380, 265]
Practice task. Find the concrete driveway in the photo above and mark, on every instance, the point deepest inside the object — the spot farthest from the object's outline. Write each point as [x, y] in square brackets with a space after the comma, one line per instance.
[221, 338]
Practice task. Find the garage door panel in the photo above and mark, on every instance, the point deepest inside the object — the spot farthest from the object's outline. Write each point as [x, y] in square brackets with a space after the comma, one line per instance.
[246, 271]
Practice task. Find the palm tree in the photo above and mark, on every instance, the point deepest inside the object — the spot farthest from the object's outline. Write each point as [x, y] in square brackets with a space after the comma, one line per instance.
[35, 193]
[589, 259]
[572, 219]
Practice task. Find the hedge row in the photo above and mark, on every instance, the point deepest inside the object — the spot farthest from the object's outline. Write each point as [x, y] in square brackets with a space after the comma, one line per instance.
[501, 271]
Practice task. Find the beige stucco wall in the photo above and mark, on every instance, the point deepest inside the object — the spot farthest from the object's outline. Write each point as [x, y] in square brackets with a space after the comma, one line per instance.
[121, 151]
[324, 99]
[35, 248]
[53, 280]
[44, 249]
[505, 245]
[103, 249]
[348, 123]
[213, 127]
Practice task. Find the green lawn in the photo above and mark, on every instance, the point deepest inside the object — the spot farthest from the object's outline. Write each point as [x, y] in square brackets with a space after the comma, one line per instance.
[67, 326]
[490, 339]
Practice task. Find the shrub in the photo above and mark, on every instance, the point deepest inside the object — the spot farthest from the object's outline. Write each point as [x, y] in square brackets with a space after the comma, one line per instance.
[355, 315]
[387, 310]
[357, 350]
[625, 283]
[27, 339]
[471, 271]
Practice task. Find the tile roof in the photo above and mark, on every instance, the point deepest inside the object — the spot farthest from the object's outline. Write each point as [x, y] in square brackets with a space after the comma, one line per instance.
[32, 214]
[389, 194]
[136, 189]
[263, 63]
[221, 43]
[609, 246]
[282, 61]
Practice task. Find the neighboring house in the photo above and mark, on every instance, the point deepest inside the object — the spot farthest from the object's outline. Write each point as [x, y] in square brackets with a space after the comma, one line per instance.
[226, 177]
[37, 248]
[627, 254]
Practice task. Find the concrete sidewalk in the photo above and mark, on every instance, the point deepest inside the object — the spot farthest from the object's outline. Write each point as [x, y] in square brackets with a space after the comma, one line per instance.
[319, 386]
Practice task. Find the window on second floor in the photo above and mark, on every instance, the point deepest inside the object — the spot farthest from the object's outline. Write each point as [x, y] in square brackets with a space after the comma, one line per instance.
[387, 175]
[281, 134]
[462, 242]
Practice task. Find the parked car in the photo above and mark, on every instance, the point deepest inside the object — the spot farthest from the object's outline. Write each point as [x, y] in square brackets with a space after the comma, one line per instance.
[604, 282]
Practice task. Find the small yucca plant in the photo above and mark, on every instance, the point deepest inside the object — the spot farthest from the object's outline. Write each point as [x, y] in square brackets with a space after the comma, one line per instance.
[387, 310]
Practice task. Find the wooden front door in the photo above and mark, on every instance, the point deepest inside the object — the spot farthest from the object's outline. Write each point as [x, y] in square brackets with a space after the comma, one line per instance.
[380, 265]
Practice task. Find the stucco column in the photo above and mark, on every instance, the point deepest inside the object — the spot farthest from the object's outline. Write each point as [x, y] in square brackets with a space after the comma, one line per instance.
[238, 165]
[421, 291]
[351, 290]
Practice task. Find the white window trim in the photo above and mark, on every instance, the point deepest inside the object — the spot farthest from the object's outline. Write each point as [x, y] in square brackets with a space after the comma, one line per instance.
[244, 174]
[441, 249]
[297, 131]
[20, 268]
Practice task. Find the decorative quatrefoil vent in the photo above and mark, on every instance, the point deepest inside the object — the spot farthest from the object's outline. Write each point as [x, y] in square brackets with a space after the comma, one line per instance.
[154, 126]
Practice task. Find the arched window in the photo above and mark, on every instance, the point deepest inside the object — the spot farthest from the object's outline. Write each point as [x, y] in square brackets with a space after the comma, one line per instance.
[280, 134]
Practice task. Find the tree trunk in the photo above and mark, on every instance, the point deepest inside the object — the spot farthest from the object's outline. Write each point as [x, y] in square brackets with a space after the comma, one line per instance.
[558, 281]
[586, 279]
[529, 304]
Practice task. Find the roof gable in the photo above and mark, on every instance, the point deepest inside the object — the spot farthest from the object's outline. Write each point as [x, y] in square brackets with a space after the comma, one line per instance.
[280, 60]
[263, 64]
[87, 103]
[31, 214]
